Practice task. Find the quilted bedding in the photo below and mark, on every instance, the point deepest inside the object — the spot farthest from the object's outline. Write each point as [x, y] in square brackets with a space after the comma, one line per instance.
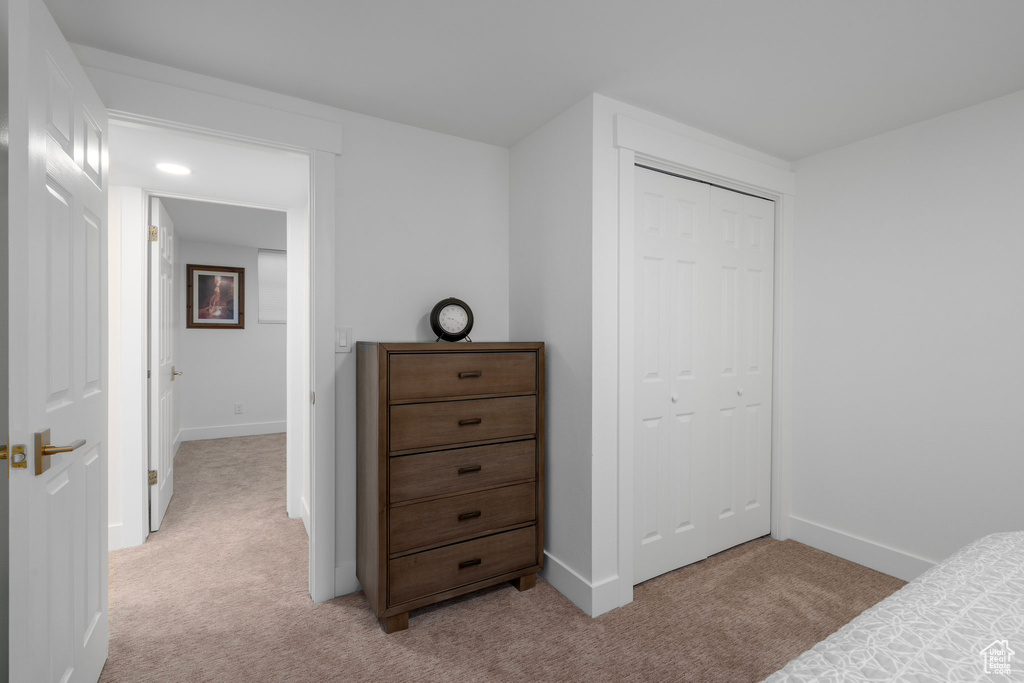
[962, 620]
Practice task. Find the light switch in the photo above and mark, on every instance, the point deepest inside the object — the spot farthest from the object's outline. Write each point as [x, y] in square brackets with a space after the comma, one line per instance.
[343, 335]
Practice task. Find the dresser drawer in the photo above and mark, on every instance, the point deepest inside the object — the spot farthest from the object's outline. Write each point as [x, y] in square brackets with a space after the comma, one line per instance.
[457, 517]
[441, 375]
[421, 425]
[434, 571]
[446, 472]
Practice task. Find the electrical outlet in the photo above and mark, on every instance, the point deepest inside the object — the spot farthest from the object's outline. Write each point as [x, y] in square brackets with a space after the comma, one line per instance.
[239, 409]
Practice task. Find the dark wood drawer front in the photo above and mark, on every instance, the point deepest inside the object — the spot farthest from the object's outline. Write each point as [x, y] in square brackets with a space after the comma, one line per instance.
[422, 425]
[434, 571]
[447, 472]
[440, 375]
[457, 517]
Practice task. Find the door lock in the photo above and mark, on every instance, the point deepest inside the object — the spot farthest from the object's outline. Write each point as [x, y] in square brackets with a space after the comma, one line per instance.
[18, 459]
[175, 373]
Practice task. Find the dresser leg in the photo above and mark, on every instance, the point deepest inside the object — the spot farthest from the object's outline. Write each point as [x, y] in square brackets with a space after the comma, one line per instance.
[525, 583]
[399, 622]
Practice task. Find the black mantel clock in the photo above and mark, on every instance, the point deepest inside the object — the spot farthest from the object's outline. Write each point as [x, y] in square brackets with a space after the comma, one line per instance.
[451, 320]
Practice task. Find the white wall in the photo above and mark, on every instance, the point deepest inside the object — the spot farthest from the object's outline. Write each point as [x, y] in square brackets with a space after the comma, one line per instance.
[421, 216]
[550, 301]
[908, 340]
[229, 366]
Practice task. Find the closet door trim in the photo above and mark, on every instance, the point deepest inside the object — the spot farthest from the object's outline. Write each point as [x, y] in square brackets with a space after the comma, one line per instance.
[675, 152]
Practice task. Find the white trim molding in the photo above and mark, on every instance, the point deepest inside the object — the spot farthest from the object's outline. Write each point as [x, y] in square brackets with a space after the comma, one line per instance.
[345, 580]
[144, 92]
[873, 555]
[228, 431]
[638, 142]
[115, 537]
[711, 163]
[323, 485]
[593, 598]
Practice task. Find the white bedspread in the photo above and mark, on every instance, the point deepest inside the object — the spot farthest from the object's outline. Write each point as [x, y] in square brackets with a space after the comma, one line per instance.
[936, 627]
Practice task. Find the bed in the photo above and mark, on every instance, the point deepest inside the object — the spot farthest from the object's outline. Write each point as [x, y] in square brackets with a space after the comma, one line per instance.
[962, 620]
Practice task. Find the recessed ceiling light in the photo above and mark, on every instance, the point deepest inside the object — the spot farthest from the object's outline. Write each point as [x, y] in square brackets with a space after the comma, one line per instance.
[174, 169]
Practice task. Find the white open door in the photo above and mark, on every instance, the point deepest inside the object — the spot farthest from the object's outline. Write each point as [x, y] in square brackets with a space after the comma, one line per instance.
[161, 363]
[58, 357]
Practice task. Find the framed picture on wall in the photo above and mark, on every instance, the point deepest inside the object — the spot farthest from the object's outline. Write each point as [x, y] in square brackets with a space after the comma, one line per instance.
[215, 297]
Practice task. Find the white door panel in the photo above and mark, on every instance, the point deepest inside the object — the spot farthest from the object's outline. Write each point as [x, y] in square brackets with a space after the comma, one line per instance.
[671, 427]
[161, 362]
[58, 318]
[742, 250]
[703, 330]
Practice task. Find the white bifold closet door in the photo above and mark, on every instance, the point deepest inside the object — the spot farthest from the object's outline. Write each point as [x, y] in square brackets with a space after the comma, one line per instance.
[703, 372]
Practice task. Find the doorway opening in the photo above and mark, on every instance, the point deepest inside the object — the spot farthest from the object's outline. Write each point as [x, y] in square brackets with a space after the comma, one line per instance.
[238, 198]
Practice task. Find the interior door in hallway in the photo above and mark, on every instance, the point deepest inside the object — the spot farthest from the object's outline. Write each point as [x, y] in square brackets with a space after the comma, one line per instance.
[703, 334]
[162, 406]
[59, 629]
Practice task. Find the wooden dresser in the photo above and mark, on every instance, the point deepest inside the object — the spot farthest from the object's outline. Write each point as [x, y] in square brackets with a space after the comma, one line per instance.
[450, 489]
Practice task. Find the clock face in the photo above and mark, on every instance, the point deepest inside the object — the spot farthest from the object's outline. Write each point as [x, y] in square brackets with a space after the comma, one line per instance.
[453, 318]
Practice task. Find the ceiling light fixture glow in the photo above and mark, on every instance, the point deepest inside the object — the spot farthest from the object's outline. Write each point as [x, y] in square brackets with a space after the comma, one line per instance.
[174, 169]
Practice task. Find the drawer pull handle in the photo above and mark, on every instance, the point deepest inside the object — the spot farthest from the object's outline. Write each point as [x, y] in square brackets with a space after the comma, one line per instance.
[470, 421]
[469, 515]
[468, 470]
[474, 373]
[470, 563]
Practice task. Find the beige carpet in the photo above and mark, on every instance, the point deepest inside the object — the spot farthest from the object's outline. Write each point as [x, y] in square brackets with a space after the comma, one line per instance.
[220, 594]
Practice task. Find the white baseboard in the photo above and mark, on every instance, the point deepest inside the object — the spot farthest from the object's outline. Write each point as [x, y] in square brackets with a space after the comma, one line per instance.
[593, 598]
[345, 580]
[228, 431]
[121, 536]
[115, 537]
[876, 556]
[176, 444]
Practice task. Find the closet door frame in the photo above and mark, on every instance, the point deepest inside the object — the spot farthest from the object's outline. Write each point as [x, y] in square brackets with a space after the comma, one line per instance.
[641, 143]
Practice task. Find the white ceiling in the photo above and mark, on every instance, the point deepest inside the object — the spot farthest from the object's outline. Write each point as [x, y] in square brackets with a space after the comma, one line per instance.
[226, 224]
[240, 184]
[221, 170]
[787, 77]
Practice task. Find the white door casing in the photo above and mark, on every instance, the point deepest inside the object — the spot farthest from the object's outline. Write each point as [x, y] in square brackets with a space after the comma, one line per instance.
[162, 405]
[59, 627]
[703, 353]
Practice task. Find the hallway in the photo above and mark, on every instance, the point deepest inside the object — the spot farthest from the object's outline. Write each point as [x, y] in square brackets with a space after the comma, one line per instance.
[174, 600]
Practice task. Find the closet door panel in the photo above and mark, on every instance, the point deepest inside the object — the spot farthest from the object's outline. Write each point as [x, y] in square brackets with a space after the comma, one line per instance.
[742, 251]
[671, 375]
[702, 423]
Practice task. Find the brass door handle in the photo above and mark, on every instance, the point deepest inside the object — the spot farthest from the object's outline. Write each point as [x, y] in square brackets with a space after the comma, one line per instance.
[51, 450]
[175, 373]
[44, 450]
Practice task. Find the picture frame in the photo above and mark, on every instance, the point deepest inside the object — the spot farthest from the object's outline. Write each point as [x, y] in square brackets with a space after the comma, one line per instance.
[215, 298]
